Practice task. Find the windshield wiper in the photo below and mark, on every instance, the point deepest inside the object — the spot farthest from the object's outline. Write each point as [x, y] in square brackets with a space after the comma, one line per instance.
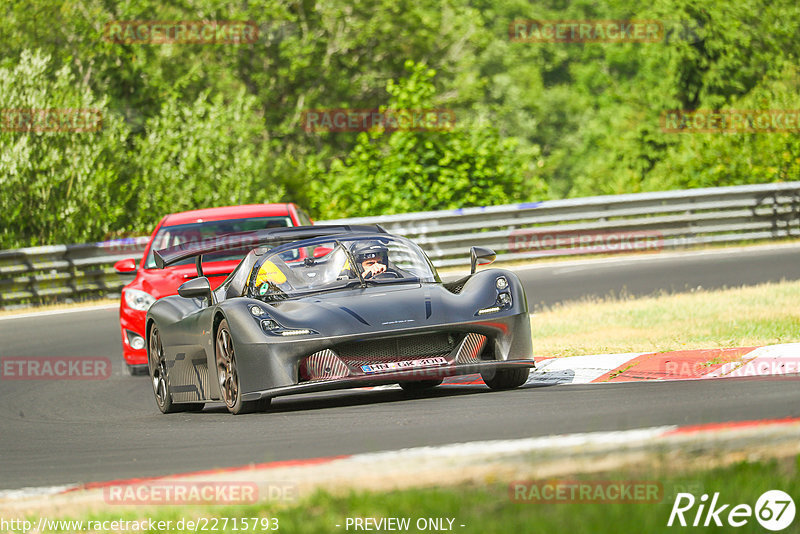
[353, 265]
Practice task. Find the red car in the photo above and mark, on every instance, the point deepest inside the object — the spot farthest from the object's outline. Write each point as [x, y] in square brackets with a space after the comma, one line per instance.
[152, 283]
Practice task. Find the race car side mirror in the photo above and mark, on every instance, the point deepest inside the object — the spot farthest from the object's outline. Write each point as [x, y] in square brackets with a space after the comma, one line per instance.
[125, 266]
[196, 288]
[480, 256]
[322, 251]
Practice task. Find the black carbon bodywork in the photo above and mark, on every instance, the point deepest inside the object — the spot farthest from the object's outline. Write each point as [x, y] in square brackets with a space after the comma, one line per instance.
[353, 329]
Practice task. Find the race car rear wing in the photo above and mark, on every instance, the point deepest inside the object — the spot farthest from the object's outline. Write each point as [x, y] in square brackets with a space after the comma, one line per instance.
[250, 240]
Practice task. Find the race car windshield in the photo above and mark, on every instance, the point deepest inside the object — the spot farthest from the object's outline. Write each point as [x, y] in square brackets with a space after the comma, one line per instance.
[336, 265]
[169, 236]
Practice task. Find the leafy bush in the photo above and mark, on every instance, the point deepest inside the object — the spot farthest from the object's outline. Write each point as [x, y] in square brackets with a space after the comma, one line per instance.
[403, 170]
[210, 153]
[189, 126]
[57, 186]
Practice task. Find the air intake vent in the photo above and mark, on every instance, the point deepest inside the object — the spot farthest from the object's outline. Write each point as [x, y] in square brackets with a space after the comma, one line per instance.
[456, 286]
[400, 348]
[470, 349]
[323, 365]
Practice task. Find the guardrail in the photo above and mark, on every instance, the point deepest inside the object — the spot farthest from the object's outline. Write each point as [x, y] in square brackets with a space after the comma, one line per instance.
[65, 271]
[642, 221]
[661, 220]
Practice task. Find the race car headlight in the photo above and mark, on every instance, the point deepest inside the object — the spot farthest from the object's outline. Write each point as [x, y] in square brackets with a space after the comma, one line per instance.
[274, 327]
[501, 282]
[270, 325]
[503, 302]
[298, 332]
[138, 300]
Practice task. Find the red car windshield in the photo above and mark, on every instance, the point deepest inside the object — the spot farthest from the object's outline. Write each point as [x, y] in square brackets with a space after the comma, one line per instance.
[168, 236]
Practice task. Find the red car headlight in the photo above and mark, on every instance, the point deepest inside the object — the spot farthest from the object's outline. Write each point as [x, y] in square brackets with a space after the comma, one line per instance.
[138, 300]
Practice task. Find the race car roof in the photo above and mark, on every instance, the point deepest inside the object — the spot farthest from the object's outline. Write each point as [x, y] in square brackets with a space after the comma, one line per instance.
[169, 256]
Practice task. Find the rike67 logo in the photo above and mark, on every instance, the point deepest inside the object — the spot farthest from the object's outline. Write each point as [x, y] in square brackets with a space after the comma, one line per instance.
[774, 510]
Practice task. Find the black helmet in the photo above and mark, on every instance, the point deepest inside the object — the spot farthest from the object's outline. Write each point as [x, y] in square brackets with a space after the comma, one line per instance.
[371, 249]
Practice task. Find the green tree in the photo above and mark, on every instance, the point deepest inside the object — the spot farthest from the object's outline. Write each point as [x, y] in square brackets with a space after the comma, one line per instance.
[57, 186]
[401, 170]
[211, 153]
[582, 118]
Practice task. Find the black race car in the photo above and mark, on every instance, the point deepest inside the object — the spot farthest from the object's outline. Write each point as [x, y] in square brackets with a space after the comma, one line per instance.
[327, 307]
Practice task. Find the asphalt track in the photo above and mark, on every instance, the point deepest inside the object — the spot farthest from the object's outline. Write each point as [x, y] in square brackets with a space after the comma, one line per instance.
[63, 432]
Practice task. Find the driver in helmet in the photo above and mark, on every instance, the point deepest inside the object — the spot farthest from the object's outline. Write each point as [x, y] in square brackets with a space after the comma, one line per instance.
[373, 258]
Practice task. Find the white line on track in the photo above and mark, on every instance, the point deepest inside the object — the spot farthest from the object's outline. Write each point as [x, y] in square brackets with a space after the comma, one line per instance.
[418, 461]
[482, 449]
[59, 312]
[24, 493]
[415, 457]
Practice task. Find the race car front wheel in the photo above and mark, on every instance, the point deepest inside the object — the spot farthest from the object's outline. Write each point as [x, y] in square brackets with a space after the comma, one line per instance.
[505, 378]
[228, 375]
[157, 366]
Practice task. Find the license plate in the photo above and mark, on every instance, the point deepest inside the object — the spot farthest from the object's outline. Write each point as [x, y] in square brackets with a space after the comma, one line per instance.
[406, 364]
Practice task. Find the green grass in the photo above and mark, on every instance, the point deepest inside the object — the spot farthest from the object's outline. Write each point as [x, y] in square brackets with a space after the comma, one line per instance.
[489, 509]
[742, 317]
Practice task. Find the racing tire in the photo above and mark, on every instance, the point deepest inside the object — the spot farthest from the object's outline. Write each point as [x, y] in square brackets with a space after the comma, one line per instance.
[506, 378]
[414, 387]
[228, 376]
[159, 377]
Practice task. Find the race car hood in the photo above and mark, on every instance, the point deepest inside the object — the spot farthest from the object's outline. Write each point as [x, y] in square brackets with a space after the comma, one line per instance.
[385, 307]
